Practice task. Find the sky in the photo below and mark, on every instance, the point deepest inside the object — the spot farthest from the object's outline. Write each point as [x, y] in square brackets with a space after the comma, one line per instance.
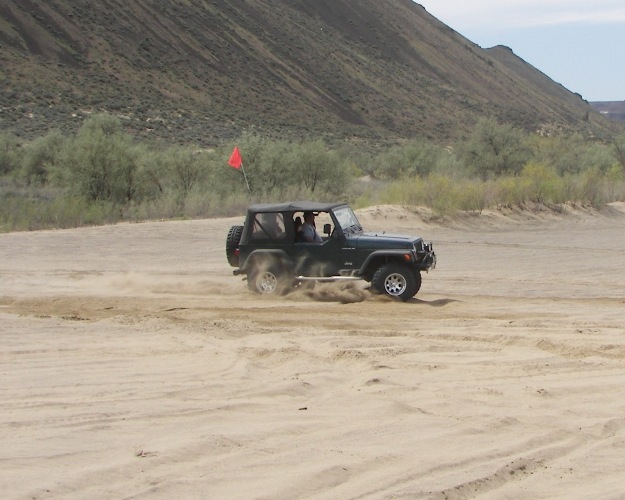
[577, 43]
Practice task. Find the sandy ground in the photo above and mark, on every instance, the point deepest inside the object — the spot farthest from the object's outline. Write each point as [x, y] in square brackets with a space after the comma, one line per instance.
[134, 365]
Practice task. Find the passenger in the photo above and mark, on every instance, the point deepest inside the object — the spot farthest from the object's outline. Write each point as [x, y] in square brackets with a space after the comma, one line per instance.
[297, 226]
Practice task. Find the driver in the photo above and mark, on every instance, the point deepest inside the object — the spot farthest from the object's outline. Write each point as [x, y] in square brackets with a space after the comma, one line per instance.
[309, 231]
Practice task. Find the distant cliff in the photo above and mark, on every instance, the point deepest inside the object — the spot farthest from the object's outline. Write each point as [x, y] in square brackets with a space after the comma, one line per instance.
[614, 110]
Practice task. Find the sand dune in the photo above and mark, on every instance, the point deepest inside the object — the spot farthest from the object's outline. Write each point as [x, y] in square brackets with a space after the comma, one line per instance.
[134, 365]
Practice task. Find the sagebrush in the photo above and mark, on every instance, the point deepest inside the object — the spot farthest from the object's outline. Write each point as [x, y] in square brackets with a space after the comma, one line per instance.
[102, 174]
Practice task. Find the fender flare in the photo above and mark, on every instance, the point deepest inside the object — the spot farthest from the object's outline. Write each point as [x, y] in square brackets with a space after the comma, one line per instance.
[277, 255]
[387, 255]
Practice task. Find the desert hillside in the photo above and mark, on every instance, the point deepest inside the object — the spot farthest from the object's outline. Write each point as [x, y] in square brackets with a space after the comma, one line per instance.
[204, 71]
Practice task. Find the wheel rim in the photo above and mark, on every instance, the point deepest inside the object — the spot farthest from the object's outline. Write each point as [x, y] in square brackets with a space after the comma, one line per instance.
[266, 282]
[395, 284]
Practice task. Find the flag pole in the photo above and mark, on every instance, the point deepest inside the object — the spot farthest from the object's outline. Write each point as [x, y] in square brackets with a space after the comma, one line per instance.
[245, 177]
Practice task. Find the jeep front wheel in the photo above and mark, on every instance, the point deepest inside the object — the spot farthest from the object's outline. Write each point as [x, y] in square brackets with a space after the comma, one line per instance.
[395, 280]
[272, 280]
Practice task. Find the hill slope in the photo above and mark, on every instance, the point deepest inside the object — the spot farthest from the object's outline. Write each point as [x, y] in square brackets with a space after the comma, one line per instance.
[203, 71]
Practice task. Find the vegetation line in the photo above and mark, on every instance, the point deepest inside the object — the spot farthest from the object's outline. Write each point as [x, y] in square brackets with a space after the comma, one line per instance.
[102, 175]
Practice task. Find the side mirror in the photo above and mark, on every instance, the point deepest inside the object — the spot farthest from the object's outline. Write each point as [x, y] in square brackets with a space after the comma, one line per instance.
[327, 229]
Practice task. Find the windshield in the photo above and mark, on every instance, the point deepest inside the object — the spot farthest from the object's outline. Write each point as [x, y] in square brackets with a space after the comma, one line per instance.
[347, 219]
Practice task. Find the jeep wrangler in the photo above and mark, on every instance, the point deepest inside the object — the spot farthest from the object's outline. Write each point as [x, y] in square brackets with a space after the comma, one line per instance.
[268, 250]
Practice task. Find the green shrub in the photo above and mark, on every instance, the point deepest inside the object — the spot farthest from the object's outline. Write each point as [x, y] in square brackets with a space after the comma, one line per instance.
[273, 169]
[572, 154]
[473, 196]
[319, 169]
[541, 183]
[28, 211]
[494, 149]
[615, 183]
[408, 192]
[40, 157]
[441, 194]
[416, 157]
[10, 153]
[510, 191]
[101, 162]
[593, 188]
[619, 151]
[185, 167]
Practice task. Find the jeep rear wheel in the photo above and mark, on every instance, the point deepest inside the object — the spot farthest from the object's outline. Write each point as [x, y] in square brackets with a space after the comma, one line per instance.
[395, 280]
[270, 280]
[232, 245]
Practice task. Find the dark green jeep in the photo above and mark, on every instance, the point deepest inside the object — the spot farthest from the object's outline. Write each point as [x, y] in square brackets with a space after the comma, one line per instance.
[270, 249]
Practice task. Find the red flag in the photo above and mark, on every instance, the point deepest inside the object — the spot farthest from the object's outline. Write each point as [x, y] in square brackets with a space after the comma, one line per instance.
[235, 160]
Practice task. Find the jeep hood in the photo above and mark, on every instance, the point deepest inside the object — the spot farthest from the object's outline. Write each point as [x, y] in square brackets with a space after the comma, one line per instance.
[383, 240]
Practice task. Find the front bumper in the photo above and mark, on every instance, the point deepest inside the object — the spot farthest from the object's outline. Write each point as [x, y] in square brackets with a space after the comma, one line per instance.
[426, 258]
[429, 262]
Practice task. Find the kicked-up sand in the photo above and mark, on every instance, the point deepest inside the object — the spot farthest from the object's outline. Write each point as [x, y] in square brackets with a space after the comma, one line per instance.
[134, 365]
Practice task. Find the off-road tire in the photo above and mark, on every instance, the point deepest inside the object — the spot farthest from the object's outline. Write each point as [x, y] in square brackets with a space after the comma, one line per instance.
[269, 280]
[417, 277]
[232, 243]
[395, 280]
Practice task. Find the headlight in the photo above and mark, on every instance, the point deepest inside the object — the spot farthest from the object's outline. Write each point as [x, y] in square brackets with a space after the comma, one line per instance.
[422, 246]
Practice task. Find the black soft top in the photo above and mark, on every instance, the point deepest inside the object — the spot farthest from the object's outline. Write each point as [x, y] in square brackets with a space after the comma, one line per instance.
[294, 206]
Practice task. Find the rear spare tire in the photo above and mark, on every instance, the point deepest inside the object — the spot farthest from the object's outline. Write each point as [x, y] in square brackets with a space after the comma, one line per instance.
[232, 245]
